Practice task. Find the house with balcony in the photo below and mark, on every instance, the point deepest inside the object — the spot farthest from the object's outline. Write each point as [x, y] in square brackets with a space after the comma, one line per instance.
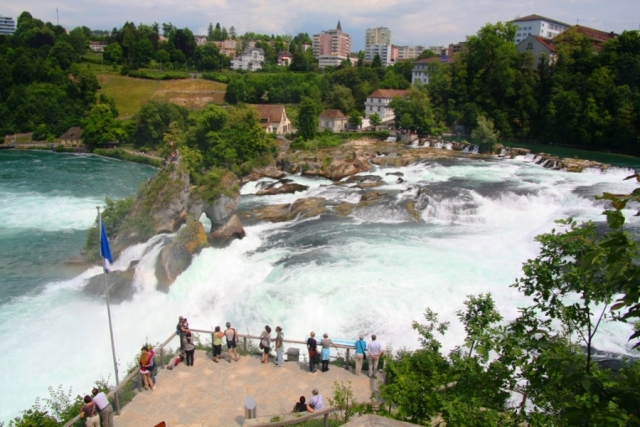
[378, 102]
[250, 60]
[273, 118]
[334, 120]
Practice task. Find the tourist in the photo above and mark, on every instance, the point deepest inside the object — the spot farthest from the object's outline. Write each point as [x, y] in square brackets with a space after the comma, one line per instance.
[151, 367]
[179, 331]
[232, 337]
[361, 347]
[184, 328]
[301, 406]
[144, 372]
[189, 349]
[375, 351]
[217, 344]
[265, 343]
[312, 346]
[104, 407]
[90, 411]
[279, 347]
[326, 351]
[317, 402]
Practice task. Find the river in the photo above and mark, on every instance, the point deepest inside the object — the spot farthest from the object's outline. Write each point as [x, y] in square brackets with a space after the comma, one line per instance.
[374, 271]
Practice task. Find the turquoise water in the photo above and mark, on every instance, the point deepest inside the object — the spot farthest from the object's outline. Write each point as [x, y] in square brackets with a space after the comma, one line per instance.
[372, 272]
[48, 203]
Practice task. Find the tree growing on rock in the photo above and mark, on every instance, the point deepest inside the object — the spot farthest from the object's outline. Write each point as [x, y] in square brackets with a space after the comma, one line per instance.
[485, 134]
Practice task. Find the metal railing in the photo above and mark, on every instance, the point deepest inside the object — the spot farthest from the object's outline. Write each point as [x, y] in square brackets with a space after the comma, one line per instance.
[112, 395]
[134, 375]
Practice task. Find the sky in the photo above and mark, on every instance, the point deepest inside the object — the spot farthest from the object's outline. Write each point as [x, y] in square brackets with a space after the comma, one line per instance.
[412, 22]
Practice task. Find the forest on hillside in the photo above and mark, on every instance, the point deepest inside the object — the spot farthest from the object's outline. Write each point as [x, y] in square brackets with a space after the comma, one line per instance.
[586, 97]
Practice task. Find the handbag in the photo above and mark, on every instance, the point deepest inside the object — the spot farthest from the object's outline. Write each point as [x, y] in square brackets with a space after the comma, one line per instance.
[261, 346]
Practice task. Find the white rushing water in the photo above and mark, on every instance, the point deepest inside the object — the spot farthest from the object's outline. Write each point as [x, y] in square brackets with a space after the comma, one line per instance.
[374, 271]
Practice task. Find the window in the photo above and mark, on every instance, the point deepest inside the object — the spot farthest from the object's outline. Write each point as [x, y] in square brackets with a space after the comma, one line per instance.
[378, 108]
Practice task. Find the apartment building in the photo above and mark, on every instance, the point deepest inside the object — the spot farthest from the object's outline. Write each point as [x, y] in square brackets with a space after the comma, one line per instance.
[374, 36]
[409, 52]
[538, 26]
[7, 25]
[384, 50]
[331, 47]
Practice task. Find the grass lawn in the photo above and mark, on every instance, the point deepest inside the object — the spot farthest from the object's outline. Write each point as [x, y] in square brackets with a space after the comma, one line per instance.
[130, 93]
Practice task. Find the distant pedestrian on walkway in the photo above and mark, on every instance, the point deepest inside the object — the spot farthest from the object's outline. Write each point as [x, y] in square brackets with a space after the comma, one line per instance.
[217, 344]
[361, 347]
[151, 366]
[375, 351]
[317, 402]
[179, 332]
[265, 343]
[232, 338]
[326, 351]
[189, 349]
[312, 346]
[104, 407]
[144, 372]
[279, 347]
[90, 412]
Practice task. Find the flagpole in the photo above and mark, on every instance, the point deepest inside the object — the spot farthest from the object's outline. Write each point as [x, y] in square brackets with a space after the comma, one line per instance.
[106, 292]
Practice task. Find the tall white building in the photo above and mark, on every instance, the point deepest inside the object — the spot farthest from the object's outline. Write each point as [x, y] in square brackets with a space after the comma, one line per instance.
[538, 26]
[7, 25]
[384, 50]
[380, 35]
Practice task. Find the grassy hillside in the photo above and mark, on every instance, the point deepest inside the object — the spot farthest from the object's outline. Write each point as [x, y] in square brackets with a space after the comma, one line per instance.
[130, 93]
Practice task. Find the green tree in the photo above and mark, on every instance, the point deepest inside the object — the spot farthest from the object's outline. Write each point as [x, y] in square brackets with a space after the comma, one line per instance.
[340, 98]
[485, 134]
[413, 111]
[153, 120]
[355, 119]
[375, 120]
[78, 39]
[308, 118]
[62, 54]
[100, 127]
[377, 62]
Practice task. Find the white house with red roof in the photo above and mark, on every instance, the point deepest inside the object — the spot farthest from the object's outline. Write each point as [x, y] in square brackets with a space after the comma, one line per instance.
[273, 118]
[541, 49]
[378, 102]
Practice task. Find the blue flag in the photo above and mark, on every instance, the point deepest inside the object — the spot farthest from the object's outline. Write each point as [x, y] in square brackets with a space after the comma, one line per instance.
[105, 250]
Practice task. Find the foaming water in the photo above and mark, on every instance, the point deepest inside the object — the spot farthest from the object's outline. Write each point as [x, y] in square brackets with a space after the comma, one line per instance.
[374, 271]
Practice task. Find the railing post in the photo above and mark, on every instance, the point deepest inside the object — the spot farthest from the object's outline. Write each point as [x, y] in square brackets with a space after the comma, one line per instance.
[346, 365]
[162, 358]
[326, 420]
[245, 344]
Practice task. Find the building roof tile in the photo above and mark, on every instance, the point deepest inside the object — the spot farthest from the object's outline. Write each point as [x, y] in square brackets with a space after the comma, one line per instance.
[541, 18]
[388, 93]
[333, 114]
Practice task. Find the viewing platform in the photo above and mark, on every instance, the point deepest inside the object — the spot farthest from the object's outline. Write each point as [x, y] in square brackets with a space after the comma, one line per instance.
[213, 394]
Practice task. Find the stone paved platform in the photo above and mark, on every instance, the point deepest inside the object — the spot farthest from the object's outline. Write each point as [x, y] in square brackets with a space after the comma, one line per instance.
[213, 394]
